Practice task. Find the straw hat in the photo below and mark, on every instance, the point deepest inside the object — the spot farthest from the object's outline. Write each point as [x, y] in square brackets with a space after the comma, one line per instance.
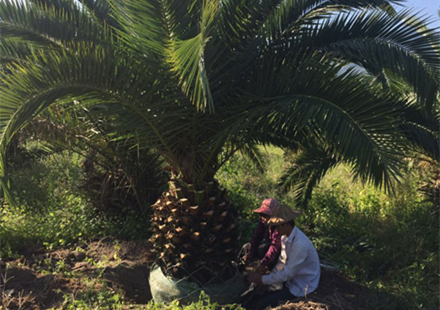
[283, 214]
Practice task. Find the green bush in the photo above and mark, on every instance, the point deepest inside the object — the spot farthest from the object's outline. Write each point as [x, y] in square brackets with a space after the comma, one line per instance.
[41, 184]
[389, 243]
[54, 212]
[53, 228]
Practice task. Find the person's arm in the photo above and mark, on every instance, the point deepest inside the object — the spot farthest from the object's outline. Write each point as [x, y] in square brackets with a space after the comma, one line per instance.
[274, 249]
[295, 258]
[257, 238]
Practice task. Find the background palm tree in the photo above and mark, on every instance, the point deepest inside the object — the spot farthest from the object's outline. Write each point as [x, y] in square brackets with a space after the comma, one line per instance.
[197, 81]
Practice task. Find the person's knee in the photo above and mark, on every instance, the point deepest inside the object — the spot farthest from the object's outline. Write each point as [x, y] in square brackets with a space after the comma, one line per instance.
[260, 304]
[251, 302]
[264, 302]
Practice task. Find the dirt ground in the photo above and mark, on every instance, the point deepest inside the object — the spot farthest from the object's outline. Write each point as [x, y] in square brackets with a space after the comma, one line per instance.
[41, 280]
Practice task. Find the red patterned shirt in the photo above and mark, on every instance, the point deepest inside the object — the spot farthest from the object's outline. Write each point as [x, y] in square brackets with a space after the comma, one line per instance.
[273, 237]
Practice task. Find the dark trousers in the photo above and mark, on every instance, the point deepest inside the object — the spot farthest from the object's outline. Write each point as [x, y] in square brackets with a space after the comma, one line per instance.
[272, 299]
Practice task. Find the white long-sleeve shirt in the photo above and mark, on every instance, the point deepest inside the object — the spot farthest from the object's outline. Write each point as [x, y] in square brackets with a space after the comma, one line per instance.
[298, 265]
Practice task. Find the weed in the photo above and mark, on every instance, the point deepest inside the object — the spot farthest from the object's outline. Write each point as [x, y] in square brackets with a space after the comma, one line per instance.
[7, 297]
[54, 213]
[94, 298]
[204, 303]
[388, 243]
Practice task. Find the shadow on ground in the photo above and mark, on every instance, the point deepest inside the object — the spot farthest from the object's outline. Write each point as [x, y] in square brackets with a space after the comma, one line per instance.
[41, 280]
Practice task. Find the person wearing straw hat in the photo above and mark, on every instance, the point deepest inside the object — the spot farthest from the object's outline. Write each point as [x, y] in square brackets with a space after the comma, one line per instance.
[298, 269]
[265, 245]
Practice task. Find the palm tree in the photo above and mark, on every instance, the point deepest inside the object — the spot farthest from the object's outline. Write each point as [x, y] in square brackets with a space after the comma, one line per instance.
[199, 80]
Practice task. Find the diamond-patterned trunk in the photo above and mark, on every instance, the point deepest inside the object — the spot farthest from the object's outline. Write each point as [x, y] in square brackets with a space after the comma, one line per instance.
[195, 231]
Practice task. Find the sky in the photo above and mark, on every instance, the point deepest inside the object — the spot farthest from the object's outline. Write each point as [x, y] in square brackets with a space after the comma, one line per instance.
[428, 7]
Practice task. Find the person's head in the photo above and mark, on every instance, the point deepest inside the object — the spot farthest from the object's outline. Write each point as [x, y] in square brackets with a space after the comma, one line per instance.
[285, 228]
[264, 217]
[266, 209]
[283, 219]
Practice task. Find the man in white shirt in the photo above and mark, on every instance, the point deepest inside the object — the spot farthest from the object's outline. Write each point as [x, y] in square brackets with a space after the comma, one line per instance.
[298, 269]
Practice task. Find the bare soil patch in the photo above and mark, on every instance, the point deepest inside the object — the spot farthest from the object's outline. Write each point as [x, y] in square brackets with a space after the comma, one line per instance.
[40, 280]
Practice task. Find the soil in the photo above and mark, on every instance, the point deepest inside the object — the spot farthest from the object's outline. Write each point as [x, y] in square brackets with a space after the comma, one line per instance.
[40, 280]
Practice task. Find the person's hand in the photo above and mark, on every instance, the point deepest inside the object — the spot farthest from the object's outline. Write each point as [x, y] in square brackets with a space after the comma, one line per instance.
[262, 269]
[254, 278]
[247, 257]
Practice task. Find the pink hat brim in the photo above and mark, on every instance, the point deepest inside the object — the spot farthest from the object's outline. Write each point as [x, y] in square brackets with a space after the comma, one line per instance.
[263, 210]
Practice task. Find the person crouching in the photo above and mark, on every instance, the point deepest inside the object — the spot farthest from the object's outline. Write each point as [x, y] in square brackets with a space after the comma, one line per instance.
[297, 271]
[265, 245]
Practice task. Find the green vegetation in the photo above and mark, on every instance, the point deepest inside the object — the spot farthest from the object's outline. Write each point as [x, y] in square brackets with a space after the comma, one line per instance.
[55, 211]
[112, 301]
[137, 85]
[150, 94]
[388, 243]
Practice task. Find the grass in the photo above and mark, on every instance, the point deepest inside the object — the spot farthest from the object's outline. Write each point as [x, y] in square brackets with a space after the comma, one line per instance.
[105, 299]
[388, 243]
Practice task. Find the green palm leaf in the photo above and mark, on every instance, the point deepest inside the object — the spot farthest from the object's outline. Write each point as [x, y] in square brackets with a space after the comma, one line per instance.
[187, 58]
[102, 11]
[305, 171]
[402, 45]
[13, 51]
[359, 121]
[48, 26]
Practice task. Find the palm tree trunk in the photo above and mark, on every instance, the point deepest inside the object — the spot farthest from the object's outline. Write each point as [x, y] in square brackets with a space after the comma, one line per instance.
[195, 231]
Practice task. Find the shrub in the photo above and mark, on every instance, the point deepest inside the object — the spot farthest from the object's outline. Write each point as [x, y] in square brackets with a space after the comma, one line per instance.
[389, 243]
[54, 212]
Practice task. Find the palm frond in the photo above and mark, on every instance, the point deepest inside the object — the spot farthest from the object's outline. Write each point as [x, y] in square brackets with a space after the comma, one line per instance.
[422, 131]
[401, 44]
[145, 25]
[101, 10]
[61, 6]
[358, 120]
[47, 26]
[28, 91]
[13, 51]
[252, 152]
[293, 15]
[305, 170]
[240, 21]
[187, 58]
